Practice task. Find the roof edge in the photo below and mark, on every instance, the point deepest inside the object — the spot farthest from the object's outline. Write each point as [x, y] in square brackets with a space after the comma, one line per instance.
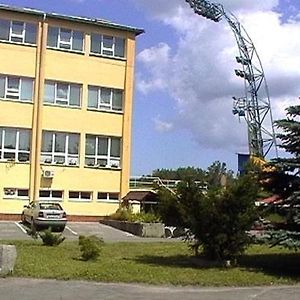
[85, 20]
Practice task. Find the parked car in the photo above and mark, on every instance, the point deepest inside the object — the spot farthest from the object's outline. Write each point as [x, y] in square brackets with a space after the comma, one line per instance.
[42, 215]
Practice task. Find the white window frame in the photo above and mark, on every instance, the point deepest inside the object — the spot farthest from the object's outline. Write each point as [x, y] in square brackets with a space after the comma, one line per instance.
[16, 151]
[14, 193]
[107, 199]
[103, 106]
[111, 49]
[68, 157]
[111, 160]
[12, 34]
[61, 42]
[80, 199]
[51, 198]
[57, 100]
[16, 92]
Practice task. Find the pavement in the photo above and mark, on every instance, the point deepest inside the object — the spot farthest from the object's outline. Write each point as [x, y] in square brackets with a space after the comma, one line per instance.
[37, 289]
[12, 288]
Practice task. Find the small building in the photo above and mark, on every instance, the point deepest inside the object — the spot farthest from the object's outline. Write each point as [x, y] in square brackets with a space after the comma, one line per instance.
[66, 89]
[145, 201]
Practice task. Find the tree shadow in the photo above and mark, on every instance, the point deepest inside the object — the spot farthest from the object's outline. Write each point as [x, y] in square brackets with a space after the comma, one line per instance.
[280, 265]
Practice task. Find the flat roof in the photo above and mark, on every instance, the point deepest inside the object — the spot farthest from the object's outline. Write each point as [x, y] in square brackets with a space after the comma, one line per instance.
[85, 20]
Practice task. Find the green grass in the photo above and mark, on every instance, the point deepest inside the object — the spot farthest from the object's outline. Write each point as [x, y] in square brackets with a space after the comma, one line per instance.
[155, 263]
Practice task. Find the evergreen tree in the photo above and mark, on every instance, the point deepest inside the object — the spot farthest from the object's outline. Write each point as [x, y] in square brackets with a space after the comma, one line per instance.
[285, 178]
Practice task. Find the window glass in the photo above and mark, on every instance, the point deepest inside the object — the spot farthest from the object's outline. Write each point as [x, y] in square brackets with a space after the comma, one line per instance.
[90, 145]
[96, 43]
[10, 138]
[47, 141]
[57, 194]
[44, 194]
[117, 101]
[17, 31]
[52, 36]
[60, 142]
[102, 146]
[26, 89]
[115, 147]
[75, 90]
[65, 38]
[108, 42]
[105, 96]
[24, 140]
[49, 92]
[77, 40]
[113, 196]
[23, 192]
[62, 91]
[2, 87]
[102, 196]
[4, 29]
[73, 143]
[13, 83]
[92, 97]
[74, 195]
[30, 33]
[85, 195]
[119, 47]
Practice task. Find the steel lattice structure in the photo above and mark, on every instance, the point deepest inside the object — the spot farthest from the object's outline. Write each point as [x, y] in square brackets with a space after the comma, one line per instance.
[255, 105]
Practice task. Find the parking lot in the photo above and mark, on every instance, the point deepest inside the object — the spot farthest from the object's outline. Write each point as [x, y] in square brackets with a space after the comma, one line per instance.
[10, 230]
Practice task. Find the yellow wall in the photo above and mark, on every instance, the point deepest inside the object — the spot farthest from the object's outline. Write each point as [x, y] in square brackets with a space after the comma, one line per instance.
[42, 63]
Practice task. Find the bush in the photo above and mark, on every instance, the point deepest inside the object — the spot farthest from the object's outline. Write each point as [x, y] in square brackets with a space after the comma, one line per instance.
[126, 214]
[51, 239]
[90, 247]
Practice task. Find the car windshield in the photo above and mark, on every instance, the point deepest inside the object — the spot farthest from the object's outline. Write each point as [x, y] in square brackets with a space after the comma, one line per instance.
[49, 206]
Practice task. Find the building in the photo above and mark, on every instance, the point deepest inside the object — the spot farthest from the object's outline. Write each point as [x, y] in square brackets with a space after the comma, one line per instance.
[66, 89]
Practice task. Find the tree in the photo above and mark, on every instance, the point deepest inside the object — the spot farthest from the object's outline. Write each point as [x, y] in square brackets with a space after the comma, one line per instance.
[220, 219]
[285, 178]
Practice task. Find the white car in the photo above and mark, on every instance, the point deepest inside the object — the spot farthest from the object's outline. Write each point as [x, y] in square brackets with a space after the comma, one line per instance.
[41, 215]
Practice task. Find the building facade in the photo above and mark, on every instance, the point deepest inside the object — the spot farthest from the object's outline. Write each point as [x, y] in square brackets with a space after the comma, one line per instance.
[66, 89]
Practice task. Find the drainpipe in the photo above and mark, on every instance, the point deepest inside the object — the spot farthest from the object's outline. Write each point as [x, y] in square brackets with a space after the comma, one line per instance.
[36, 137]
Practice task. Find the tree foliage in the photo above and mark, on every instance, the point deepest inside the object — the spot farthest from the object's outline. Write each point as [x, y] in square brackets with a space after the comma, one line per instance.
[285, 178]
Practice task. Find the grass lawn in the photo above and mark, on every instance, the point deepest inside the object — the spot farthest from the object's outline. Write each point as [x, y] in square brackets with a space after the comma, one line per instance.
[155, 263]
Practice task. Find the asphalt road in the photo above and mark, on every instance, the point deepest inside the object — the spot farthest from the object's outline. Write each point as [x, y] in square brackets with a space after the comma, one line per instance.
[36, 289]
[10, 230]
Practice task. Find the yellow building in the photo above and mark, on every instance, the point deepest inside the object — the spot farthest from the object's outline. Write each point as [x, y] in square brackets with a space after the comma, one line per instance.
[66, 88]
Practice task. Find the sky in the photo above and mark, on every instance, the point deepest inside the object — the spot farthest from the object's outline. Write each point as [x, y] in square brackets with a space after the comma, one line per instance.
[184, 77]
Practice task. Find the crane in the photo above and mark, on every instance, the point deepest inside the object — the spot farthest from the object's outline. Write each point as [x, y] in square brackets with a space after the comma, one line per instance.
[254, 105]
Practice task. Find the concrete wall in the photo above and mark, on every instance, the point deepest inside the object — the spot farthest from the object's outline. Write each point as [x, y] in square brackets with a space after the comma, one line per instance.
[139, 229]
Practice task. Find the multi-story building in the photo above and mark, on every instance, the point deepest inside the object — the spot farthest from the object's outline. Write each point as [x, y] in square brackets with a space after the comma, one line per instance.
[66, 88]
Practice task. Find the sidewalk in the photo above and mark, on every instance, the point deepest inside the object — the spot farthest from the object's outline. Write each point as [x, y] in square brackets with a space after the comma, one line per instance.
[37, 289]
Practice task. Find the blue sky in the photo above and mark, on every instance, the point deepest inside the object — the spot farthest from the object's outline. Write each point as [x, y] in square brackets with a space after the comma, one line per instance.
[184, 74]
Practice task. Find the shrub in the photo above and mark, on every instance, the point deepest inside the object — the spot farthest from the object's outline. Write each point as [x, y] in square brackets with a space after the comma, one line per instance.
[51, 239]
[144, 217]
[90, 247]
[122, 214]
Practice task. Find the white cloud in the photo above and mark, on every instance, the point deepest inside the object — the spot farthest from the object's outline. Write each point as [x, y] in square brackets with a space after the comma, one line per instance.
[198, 69]
[162, 126]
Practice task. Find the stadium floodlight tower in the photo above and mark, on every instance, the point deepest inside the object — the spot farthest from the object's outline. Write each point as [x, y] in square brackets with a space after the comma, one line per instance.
[254, 106]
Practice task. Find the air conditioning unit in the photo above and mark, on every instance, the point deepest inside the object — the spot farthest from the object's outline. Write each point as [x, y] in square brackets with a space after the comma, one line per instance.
[48, 173]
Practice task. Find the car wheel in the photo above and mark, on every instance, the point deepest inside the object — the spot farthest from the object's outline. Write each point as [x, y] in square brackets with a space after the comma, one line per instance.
[23, 220]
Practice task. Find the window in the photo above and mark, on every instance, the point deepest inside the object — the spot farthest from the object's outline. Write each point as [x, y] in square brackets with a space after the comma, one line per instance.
[66, 94]
[105, 98]
[17, 32]
[80, 196]
[14, 144]
[107, 45]
[52, 195]
[16, 88]
[66, 39]
[60, 148]
[102, 151]
[15, 193]
[108, 197]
